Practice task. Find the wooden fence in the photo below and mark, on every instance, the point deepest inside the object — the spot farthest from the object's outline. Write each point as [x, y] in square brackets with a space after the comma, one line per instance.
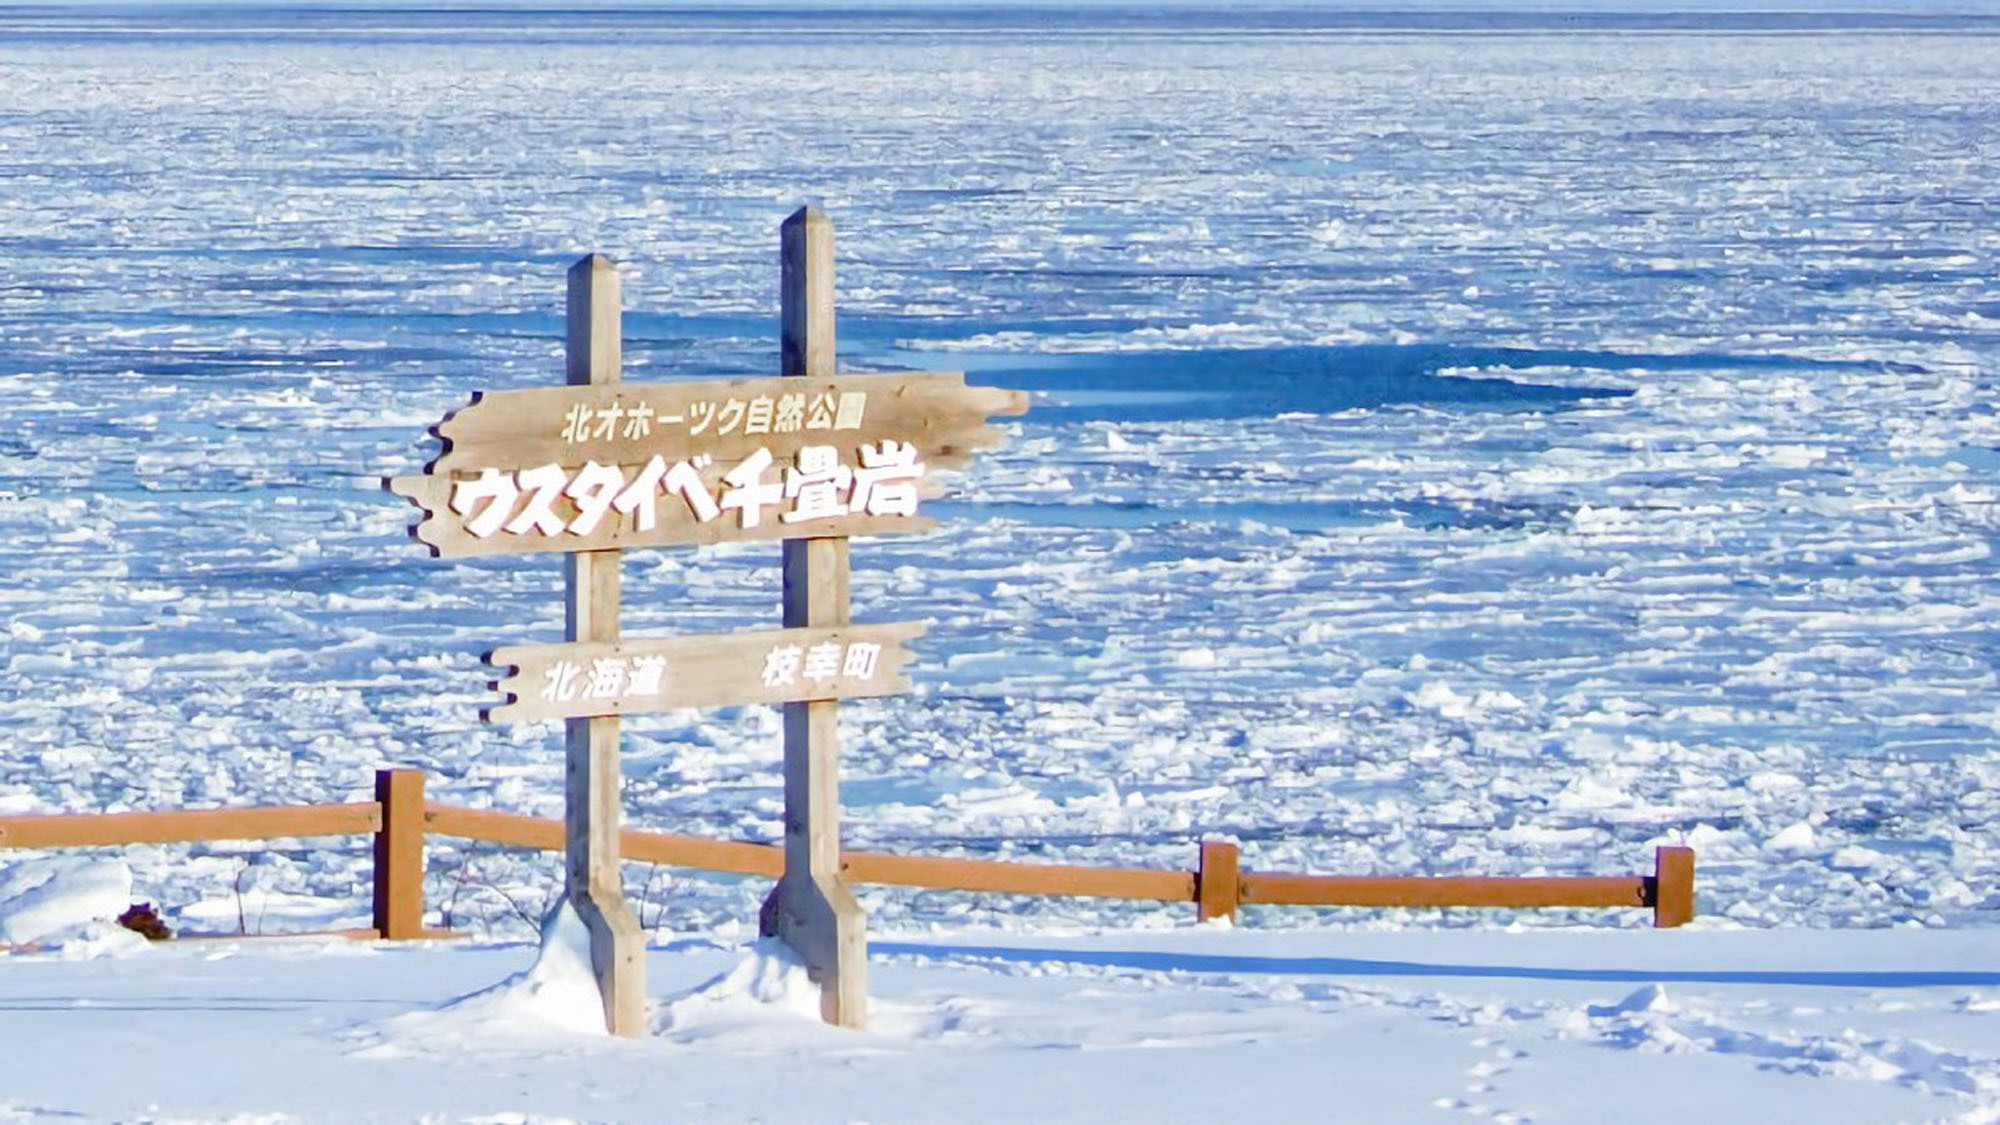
[400, 818]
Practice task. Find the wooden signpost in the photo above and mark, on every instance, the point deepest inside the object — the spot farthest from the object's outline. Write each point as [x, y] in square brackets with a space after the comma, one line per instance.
[598, 466]
[593, 880]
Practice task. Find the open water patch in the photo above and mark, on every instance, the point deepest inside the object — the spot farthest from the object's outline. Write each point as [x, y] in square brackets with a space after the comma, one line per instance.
[1220, 383]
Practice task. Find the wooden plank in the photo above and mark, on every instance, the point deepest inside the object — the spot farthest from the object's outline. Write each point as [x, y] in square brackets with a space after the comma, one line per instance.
[1003, 877]
[592, 795]
[1673, 886]
[630, 423]
[565, 468]
[512, 829]
[730, 856]
[350, 934]
[811, 909]
[1427, 891]
[1218, 884]
[183, 825]
[736, 857]
[667, 849]
[399, 855]
[714, 670]
[1019, 878]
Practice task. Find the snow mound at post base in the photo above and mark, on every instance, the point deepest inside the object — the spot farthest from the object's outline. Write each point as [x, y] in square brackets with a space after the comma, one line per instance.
[556, 996]
[764, 1002]
[70, 902]
[766, 991]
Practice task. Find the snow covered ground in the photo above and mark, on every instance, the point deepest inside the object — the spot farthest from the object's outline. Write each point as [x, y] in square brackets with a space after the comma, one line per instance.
[1544, 1025]
[1462, 444]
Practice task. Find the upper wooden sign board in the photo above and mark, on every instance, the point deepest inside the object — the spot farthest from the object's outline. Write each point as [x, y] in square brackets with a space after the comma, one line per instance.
[608, 466]
[629, 423]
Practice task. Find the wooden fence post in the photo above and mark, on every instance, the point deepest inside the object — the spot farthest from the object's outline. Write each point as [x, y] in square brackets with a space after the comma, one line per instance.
[811, 909]
[593, 883]
[399, 855]
[1673, 886]
[1217, 885]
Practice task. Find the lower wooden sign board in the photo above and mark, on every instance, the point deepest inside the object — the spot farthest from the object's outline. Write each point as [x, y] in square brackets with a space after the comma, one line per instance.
[571, 681]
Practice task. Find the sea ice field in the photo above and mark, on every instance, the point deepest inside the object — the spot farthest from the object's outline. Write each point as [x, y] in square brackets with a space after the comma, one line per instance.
[1471, 438]
[1477, 443]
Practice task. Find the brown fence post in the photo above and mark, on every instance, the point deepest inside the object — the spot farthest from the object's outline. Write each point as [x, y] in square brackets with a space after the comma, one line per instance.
[399, 855]
[1673, 886]
[1217, 885]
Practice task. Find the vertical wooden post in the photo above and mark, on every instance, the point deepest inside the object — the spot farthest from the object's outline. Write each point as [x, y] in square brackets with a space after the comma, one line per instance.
[593, 884]
[811, 909]
[1217, 885]
[399, 855]
[1673, 886]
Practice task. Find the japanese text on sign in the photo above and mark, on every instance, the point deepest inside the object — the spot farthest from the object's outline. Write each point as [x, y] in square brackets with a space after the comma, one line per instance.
[785, 665]
[642, 678]
[711, 670]
[820, 486]
[611, 677]
[761, 414]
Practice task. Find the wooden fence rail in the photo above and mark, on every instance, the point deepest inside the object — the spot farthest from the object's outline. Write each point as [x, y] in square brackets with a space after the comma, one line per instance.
[400, 818]
[267, 822]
